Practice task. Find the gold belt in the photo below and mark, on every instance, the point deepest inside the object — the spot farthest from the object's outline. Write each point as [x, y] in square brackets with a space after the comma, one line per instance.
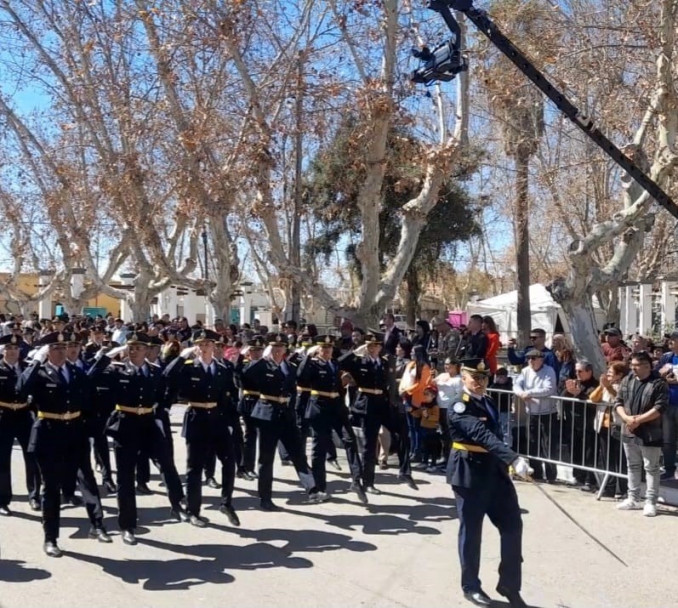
[139, 411]
[13, 406]
[282, 400]
[371, 391]
[324, 394]
[203, 405]
[468, 447]
[303, 389]
[251, 393]
[62, 417]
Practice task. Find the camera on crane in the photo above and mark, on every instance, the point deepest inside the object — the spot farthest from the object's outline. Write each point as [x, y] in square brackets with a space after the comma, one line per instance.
[442, 63]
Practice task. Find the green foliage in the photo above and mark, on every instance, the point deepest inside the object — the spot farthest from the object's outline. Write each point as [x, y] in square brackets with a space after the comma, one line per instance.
[331, 196]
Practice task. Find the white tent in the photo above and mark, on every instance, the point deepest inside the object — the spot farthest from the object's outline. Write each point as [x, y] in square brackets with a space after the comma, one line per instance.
[546, 313]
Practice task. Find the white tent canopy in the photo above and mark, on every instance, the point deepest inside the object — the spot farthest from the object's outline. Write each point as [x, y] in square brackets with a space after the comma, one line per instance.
[546, 313]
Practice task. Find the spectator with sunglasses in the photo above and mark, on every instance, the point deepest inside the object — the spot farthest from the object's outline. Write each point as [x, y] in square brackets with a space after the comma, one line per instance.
[537, 342]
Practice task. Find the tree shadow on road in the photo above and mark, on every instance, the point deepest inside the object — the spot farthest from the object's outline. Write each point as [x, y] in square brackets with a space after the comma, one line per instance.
[14, 571]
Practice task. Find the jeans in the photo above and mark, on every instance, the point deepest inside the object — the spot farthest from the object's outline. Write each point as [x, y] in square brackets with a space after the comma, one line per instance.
[670, 428]
[639, 457]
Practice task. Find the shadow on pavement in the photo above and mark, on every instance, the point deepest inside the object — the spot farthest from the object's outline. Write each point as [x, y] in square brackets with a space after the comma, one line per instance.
[14, 571]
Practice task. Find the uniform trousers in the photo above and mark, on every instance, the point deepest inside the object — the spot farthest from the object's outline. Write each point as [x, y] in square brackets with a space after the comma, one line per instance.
[494, 496]
[210, 436]
[237, 441]
[332, 417]
[63, 456]
[141, 437]
[99, 441]
[249, 450]
[144, 463]
[16, 425]
[284, 430]
[378, 415]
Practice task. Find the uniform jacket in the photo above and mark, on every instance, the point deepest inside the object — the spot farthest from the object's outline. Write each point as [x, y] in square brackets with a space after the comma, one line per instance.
[9, 394]
[475, 421]
[189, 381]
[370, 375]
[272, 380]
[49, 393]
[323, 376]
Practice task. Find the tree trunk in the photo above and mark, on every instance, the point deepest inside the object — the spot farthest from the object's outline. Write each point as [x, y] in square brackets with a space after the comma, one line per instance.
[412, 308]
[522, 243]
[579, 312]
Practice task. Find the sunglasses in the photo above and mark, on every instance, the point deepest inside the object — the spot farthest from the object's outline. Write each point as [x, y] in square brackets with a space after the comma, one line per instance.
[534, 358]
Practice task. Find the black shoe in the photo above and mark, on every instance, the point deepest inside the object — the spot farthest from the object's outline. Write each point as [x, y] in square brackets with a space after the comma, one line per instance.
[372, 490]
[100, 534]
[513, 598]
[479, 598]
[197, 521]
[286, 463]
[243, 475]
[128, 537]
[666, 475]
[178, 513]
[52, 549]
[5, 511]
[34, 504]
[143, 488]
[335, 465]
[269, 505]
[110, 487]
[213, 483]
[408, 481]
[252, 475]
[74, 500]
[229, 512]
[360, 491]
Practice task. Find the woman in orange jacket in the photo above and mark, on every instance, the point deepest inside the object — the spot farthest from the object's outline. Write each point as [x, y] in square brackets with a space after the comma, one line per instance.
[489, 328]
[416, 377]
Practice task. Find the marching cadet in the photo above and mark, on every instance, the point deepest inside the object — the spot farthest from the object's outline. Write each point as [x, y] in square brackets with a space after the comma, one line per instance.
[61, 393]
[478, 472]
[372, 408]
[97, 415]
[273, 412]
[326, 412]
[208, 387]
[139, 390]
[16, 420]
[248, 399]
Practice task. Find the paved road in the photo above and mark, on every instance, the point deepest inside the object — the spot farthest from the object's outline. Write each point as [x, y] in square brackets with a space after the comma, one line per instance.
[399, 552]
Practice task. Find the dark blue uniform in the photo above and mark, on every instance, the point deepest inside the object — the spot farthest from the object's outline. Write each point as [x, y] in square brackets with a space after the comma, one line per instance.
[478, 472]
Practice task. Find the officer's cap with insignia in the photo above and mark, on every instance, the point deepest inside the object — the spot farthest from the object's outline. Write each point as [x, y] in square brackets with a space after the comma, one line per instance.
[277, 340]
[257, 342]
[55, 338]
[154, 341]
[205, 335]
[475, 367]
[327, 340]
[372, 339]
[306, 340]
[138, 338]
[12, 339]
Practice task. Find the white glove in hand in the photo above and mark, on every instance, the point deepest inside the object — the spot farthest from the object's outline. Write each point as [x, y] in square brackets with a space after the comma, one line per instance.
[187, 353]
[100, 353]
[522, 468]
[114, 352]
[361, 351]
[41, 354]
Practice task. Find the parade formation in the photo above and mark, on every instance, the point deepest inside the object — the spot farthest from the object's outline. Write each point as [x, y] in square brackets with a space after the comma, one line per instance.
[78, 389]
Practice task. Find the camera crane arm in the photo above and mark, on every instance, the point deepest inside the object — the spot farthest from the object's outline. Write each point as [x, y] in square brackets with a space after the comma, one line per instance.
[516, 56]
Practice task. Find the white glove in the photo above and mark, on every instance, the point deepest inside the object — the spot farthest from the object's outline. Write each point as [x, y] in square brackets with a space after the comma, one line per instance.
[361, 351]
[522, 468]
[313, 350]
[100, 353]
[187, 352]
[114, 352]
[41, 354]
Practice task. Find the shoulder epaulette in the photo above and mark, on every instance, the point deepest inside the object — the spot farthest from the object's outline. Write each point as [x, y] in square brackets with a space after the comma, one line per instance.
[465, 397]
[152, 364]
[188, 362]
[118, 363]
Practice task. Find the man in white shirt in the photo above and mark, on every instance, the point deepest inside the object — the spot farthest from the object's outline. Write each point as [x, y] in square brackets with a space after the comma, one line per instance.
[536, 385]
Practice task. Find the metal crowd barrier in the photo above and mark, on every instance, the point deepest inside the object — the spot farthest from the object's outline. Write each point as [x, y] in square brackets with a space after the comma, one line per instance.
[579, 434]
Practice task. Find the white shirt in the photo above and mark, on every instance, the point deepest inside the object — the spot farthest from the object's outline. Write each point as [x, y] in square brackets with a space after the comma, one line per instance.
[450, 389]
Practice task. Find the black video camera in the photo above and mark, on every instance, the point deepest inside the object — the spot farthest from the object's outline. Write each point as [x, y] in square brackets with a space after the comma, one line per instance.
[443, 63]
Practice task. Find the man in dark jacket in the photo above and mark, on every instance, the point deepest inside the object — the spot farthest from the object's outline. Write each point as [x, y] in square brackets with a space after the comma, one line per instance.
[640, 402]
